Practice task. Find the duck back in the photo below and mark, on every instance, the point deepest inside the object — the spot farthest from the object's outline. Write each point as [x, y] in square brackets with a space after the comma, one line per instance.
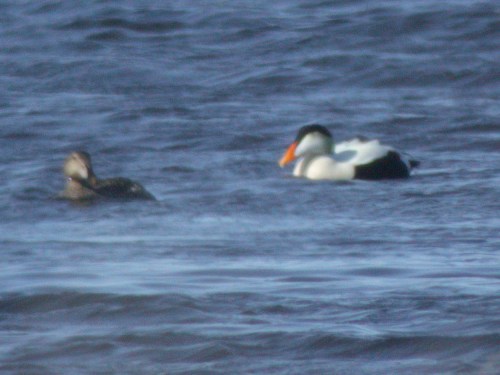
[120, 187]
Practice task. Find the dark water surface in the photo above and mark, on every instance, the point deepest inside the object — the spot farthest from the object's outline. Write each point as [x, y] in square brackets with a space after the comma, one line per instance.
[238, 267]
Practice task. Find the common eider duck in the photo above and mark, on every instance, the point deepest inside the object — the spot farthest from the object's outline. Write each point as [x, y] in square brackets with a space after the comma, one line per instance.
[82, 184]
[359, 158]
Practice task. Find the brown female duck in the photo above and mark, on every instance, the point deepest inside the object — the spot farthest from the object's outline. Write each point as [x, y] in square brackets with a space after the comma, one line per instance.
[82, 183]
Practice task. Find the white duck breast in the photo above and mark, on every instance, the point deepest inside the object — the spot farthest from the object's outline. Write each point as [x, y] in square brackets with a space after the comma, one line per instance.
[323, 167]
[354, 159]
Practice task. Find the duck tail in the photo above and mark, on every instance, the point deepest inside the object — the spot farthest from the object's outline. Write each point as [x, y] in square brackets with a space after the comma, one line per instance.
[414, 163]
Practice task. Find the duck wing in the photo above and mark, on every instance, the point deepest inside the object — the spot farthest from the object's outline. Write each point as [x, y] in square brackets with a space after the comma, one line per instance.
[359, 151]
[120, 187]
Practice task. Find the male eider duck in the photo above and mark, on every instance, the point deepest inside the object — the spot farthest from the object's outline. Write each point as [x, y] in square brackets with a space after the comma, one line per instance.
[319, 159]
[82, 184]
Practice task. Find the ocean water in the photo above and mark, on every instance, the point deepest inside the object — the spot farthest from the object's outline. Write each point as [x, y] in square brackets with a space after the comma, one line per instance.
[239, 268]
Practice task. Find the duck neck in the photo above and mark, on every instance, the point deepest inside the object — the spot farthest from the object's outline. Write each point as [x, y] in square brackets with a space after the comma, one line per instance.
[326, 148]
[76, 190]
[89, 183]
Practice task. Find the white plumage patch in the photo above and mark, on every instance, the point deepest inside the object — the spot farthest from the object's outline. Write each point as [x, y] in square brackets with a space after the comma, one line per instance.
[358, 152]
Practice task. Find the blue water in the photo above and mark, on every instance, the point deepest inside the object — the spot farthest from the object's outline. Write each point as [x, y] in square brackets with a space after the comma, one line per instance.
[239, 267]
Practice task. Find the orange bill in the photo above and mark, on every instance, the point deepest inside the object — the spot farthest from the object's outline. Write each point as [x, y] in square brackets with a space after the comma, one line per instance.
[289, 155]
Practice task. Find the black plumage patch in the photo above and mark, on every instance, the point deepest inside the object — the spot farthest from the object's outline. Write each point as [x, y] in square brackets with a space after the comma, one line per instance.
[303, 131]
[390, 166]
[120, 187]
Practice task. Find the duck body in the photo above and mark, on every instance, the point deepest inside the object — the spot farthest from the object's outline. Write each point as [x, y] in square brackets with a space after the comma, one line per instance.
[82, 184]
[120, 187]
[319, 159]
